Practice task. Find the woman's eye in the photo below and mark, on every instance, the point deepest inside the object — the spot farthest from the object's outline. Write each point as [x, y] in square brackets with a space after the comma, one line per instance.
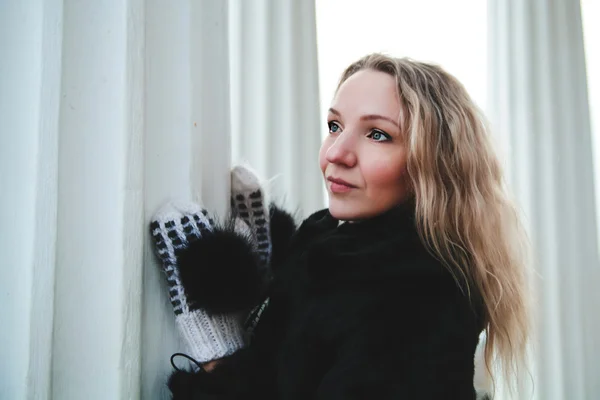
[379, 136]
[334, 127]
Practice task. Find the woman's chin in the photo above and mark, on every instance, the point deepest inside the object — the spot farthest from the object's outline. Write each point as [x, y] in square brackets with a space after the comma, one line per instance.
[344, 211]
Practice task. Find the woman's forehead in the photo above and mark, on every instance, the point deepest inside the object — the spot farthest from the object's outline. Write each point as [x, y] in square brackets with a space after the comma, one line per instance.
[368, 92]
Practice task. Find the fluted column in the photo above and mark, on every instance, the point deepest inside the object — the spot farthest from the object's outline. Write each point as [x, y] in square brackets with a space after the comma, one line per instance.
[539, 107]
[30, 71]
[107, 110]
[275, 96]
[186, 147]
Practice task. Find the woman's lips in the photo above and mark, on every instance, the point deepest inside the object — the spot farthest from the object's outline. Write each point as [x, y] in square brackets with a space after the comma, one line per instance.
[339, 185]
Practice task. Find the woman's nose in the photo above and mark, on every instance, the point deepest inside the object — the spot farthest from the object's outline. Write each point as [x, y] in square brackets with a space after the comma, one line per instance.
[342, 151]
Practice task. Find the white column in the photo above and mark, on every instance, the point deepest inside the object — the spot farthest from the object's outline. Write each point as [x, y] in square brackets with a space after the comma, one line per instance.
[275, 96]
[187, 147]
[100, 231]
[30, 39]
[540, 111]
[106, 111]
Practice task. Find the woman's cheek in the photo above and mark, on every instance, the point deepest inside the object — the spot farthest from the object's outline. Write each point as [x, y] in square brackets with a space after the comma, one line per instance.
[323, 154]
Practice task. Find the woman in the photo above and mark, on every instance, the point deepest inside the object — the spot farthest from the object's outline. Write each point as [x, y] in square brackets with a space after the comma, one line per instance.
[385, 293]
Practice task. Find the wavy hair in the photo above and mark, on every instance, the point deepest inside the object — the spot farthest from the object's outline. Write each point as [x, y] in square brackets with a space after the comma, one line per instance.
[463, 211]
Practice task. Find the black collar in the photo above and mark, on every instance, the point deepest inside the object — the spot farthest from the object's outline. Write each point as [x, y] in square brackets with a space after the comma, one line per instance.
[396, 223]
[370, 248]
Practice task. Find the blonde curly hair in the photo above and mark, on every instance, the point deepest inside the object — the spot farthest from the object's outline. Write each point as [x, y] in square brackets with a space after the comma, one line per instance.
[463, 211]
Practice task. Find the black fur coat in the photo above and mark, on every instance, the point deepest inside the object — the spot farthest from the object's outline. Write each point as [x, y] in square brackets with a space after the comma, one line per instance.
[357, 311]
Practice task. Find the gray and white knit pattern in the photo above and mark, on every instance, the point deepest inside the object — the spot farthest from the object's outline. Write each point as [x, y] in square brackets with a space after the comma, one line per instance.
[208, 337]
[248, 202]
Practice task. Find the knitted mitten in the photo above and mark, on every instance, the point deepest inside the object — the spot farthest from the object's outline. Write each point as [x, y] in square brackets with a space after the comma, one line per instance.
[208, 336]
[248, 203]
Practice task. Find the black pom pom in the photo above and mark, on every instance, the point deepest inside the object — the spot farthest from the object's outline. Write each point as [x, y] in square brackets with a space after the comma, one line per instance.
[232, 378]
[283, 227]
[220, 272]
[191, 385]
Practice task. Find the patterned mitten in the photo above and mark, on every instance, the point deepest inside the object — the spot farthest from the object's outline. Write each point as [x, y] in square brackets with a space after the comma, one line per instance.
[273, 228]
[210, 299]
[248, 203]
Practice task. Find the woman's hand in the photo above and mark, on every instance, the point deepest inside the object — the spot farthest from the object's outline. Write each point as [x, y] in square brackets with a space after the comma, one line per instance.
[209, 366]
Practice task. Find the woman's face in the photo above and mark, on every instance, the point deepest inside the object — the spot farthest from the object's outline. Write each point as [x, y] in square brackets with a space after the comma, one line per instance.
[363, 158]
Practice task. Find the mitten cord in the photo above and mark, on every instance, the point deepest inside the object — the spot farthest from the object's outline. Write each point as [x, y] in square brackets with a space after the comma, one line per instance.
[175, 367]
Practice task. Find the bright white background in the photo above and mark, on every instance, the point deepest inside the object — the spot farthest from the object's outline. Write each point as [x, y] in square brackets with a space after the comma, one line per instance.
[456, 35]
[452, 34]
[590, 10]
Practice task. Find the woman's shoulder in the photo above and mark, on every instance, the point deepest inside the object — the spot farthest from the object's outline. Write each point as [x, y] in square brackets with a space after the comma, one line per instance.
[316, 224]
[386, 247]
[310, 230]
[388, 266]
[384, 255]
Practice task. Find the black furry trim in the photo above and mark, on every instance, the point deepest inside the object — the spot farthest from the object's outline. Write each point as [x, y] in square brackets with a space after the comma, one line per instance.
[283, 227]
[220, 272]
[234, 377]
[186, 385]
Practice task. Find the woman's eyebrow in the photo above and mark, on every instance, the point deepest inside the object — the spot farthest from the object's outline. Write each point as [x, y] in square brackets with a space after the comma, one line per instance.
[334, 111]
[369, 117]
